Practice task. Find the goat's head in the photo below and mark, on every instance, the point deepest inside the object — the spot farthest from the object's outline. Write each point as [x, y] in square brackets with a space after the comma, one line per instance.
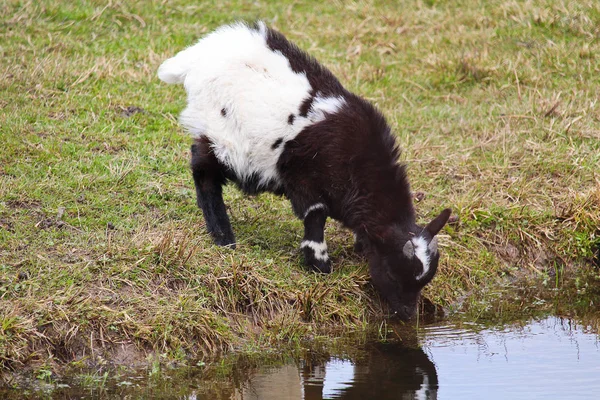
[404, 262]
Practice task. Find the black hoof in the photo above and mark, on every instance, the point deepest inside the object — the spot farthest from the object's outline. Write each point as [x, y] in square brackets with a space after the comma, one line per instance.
[224, 240]
[322, 267]
[321, 264]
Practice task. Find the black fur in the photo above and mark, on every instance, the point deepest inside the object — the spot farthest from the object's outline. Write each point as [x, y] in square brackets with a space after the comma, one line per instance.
[209, 178]
[347, 164]
[319, 77]
[306, 105]
[384, 371]
[277, 143]
[291, 119]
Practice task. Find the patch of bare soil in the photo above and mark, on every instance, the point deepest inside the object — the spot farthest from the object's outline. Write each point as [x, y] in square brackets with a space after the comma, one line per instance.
[23, 204]
[129, 111]
[6, 225]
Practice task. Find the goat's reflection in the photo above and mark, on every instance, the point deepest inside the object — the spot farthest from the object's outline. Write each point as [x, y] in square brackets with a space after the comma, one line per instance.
[385, 371]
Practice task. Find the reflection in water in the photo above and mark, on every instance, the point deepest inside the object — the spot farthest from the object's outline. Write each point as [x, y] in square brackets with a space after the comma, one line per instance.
[385, 371]
[552, 358]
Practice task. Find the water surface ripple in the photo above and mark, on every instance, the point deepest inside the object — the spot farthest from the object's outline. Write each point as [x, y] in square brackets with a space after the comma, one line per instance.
[551, 358]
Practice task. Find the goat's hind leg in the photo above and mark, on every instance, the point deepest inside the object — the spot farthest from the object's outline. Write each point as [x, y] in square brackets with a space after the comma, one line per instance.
[209, 177]
[314, 246]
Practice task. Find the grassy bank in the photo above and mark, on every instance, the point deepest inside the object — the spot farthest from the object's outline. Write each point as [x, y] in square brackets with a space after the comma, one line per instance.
[103, 253]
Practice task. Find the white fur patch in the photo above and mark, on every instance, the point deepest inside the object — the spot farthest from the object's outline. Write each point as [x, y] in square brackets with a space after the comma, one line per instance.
[240, 95]
[422, 253]
[424, 392]
[324, 105]
[316, 206]
[318, 248]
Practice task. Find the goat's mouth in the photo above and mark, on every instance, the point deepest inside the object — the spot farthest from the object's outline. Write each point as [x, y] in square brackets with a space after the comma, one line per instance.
[403, 313]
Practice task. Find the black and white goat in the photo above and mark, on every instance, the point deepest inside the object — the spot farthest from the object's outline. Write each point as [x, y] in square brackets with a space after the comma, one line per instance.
[269, 117]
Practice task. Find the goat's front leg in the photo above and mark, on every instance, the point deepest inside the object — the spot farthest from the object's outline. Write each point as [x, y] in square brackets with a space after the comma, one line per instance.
[313, 245]
[209, 177]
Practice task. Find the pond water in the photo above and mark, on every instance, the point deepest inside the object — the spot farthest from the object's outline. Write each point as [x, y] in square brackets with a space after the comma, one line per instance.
[549, 358]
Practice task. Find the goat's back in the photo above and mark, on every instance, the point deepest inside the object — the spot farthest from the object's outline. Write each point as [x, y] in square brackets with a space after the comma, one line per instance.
[250, 91]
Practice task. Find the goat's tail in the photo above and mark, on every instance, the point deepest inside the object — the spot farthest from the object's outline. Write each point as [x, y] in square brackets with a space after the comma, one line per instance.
[175, 69]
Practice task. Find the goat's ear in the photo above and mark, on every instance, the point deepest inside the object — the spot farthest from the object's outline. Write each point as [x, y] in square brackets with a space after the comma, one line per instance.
[438, 223]
[409, 249]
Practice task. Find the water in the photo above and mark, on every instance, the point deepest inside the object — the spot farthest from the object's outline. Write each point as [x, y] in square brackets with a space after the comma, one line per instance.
[551, 358]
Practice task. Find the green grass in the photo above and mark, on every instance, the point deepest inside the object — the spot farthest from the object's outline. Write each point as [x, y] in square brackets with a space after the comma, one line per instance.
[495, 104]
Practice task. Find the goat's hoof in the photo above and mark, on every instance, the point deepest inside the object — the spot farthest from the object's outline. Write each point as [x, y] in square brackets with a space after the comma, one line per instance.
[323, 267]
[224, 240]
[318, 264]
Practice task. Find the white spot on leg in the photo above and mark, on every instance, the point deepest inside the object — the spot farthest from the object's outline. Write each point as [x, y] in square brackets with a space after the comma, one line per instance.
[319, 249]
[422, 254]
[425, 391]
[316, 206]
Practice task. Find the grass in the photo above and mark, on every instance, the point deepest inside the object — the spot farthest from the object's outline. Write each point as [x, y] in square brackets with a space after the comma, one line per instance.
[103, 253]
